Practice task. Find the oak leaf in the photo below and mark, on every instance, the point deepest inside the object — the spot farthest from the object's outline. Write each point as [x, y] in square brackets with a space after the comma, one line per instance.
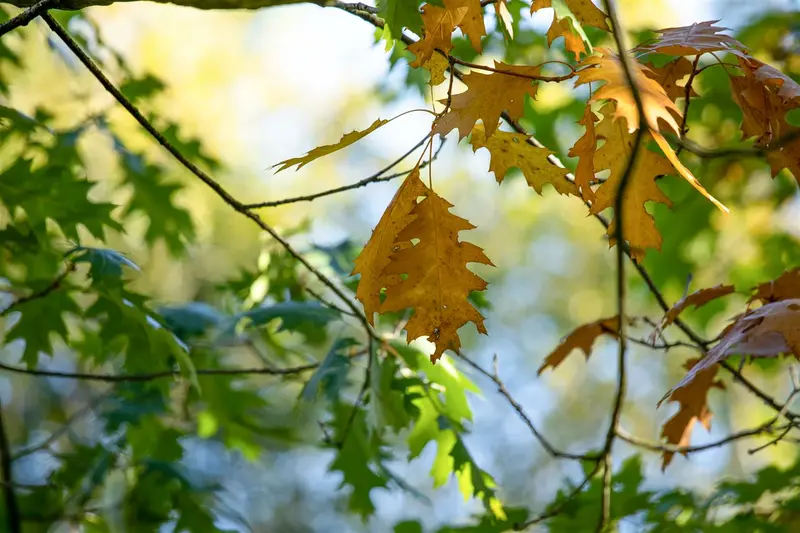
[698, 38]
[584, 10]
[438, 281]
[513, 150]
[640, 228]
[584, 149]
[346, 140]
[438, 25]
[471, 23]
[765, 96]
[693, 401]
[486, 97]
[656, 104]
[573, 42]
[383, 242]
[568, 16]
[785, 287]
[768, 331]
[582, 337]
[670, 74]
[697, 299]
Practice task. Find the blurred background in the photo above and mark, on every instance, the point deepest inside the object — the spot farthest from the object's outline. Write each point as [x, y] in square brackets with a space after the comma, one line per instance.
[259, 87]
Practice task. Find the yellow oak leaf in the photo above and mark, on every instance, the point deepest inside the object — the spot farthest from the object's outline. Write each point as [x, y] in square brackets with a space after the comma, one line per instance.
[383, 242]
[608, 68]
[582, 337]
[486, 97]
[639, 226]
[437, 65]
[512, 150]
[584, 149]
[698, 38]
[693, 402]
[438, 24]
[585, 11]
[438, 281]
[472, 21]
[346, 140]
[504, 17]
[562, 27]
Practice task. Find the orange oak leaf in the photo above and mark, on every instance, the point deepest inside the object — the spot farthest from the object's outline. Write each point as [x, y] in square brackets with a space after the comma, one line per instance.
[785, 287]
[657, 106]
[582, 337]
[346, 140]
[472, 21]
[768, 331]
[376, 255]
[512, 150]
[584, 12]
[438, 26]
[640, 228]
[670, 74]
[486, 97]
[562, 27]
[698, 38]
[693, 402]
[584, 149]
[765, 97]
[438, 281]
[697, 299]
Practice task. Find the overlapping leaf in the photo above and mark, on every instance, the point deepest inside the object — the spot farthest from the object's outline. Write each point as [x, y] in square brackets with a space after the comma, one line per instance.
[697, 299]
[584, 149]
[512, 150]
[693, 408]
[472, 21]
[438, 26]
[438, 281]
[670, 74]
[568, 17]
[486, 97]
[582, 337]
[698, 38]
[785, 287]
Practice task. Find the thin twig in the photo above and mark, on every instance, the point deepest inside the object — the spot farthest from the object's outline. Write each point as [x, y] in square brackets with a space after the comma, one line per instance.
[12, 510]
[687, 99]
[533, 77]
[502, 389]
[28, 15]
[361, 393]
[53, 286]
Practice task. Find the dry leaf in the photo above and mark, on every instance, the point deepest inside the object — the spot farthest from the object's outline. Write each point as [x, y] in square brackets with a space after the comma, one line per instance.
[512, 150]
[438, 26]
[769, 331]
[438, 281]
[346, 140]
[372, 261]
[585, 11]
[670, 74]
[582, 337]
[584, 149]
[765, 98]
[693, 401]
[562, 27]
[785, 287]
[698, 38]
[697, 299]
[472, 22]
[640, 228]
[486, 97]
[608, 68]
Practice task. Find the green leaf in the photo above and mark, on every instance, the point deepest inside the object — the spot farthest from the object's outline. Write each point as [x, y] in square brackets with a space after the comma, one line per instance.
[308, 318]
[331, 376]
[39, 319]
[408, 526]
[104, 262]
[191, 319]
[399, 14]
[136, 89]
[387, 403]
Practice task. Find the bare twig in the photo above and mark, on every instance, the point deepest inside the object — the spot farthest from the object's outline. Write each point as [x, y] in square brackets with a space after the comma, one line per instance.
[371, 355]
[53, 286]
[28, 15]
[532, 77]
[13, 520]
[687, 99]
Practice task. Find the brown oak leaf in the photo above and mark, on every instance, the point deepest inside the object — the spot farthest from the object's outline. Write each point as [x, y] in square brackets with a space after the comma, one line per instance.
[670, 74]
[512, 150]
[438, 26]
[697, 299]
[785, 287]
[438, 281]
[584, 149]
[582, 337]
[472, 21]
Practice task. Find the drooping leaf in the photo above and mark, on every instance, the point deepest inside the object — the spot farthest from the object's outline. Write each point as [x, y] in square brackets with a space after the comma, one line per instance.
[670, 74]
[438, 26]
[438, 281]
[698, 38]
[471, 24]
[191, 319]
[504, 17]
[320, 151]
[486, 97]
[308, 318]
[693, 408]
[371, 263]
[640, 229]
[512, 150]
[568, 18]
[697, 298]
[582, 337]
[584, 149]
[104, 262]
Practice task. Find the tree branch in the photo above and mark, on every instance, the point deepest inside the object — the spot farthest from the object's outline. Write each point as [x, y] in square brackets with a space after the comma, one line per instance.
[12, 510]
[28, 15]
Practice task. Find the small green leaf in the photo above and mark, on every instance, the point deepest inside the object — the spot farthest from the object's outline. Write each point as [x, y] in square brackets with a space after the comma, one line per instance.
[308, 318]
[104, 262]
[331, 376]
